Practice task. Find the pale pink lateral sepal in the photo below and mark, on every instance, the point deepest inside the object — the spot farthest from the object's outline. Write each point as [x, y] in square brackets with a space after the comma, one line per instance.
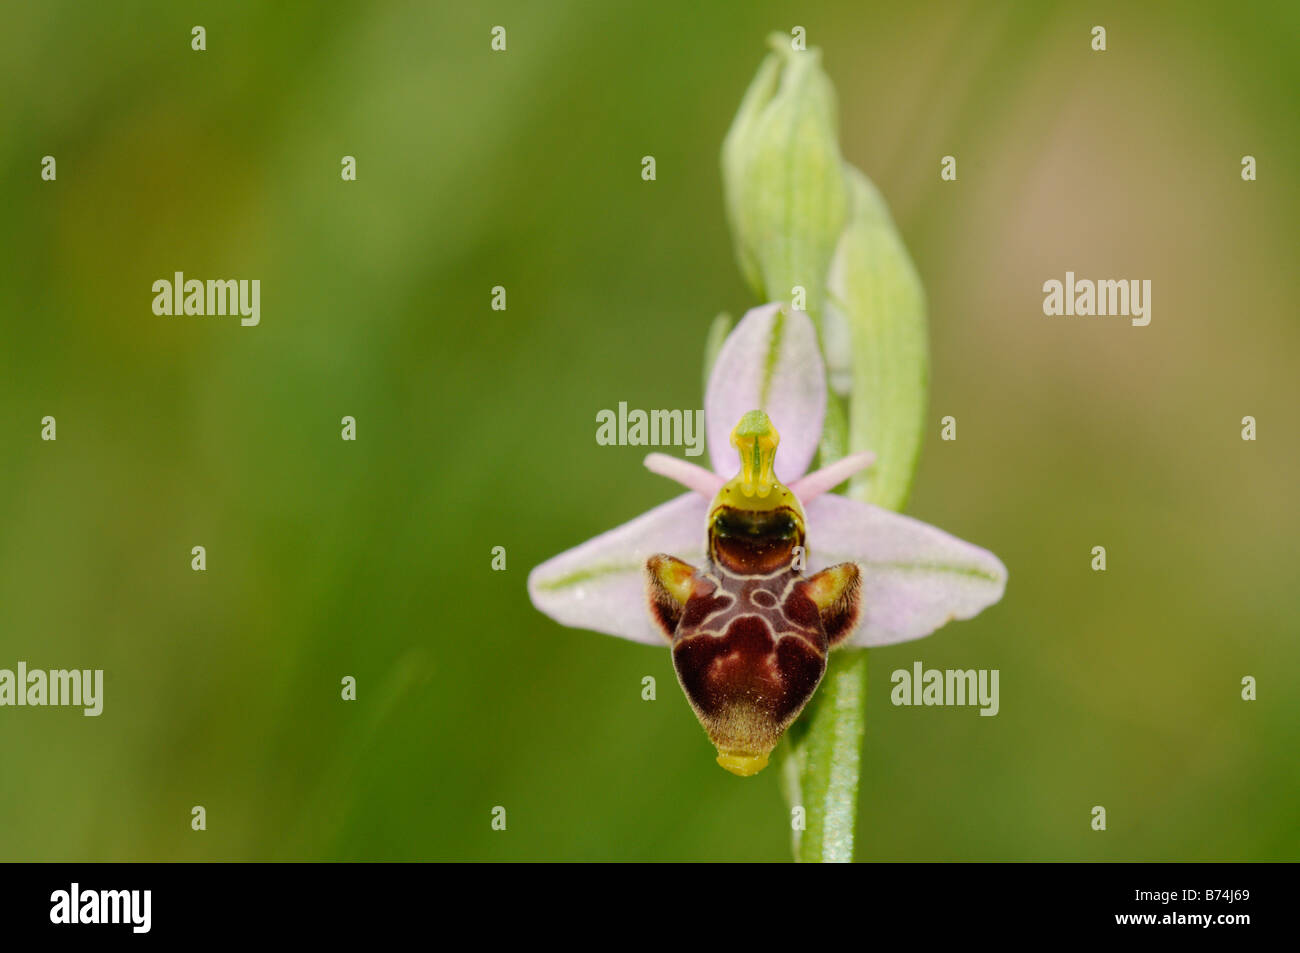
[915, 577]
[601, 584]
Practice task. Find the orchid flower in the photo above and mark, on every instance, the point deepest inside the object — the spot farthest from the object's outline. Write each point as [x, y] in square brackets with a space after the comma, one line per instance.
[843, 573]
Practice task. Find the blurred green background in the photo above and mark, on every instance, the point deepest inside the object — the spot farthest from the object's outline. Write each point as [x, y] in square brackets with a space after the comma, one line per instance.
[477, 428]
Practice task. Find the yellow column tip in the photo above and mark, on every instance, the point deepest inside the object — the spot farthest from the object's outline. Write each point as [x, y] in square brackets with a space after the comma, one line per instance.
[755, 439]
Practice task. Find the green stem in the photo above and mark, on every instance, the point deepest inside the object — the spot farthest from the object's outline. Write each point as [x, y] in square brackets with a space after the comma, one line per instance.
[823, 761]
[823, 754]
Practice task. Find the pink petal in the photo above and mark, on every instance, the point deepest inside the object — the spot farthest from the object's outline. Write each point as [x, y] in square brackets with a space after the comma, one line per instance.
[693, 477]
[916, 577]
[600, 585]
[829, 477]
[770, 362]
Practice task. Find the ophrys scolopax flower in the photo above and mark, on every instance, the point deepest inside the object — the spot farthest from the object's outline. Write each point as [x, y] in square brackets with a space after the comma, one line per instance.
[752, 580]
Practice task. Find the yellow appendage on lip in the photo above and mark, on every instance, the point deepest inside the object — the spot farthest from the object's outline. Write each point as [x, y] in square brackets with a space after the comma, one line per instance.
[745, 765]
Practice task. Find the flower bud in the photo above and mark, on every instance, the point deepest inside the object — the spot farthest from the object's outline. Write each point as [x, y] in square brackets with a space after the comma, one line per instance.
[783, 177]
[875, 338]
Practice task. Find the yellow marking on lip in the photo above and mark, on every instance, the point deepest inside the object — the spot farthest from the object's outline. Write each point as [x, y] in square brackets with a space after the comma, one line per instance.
[742, 764]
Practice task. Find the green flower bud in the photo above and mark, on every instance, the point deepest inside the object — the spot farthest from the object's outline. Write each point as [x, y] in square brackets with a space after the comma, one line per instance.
[783, 177]
[876, 344]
